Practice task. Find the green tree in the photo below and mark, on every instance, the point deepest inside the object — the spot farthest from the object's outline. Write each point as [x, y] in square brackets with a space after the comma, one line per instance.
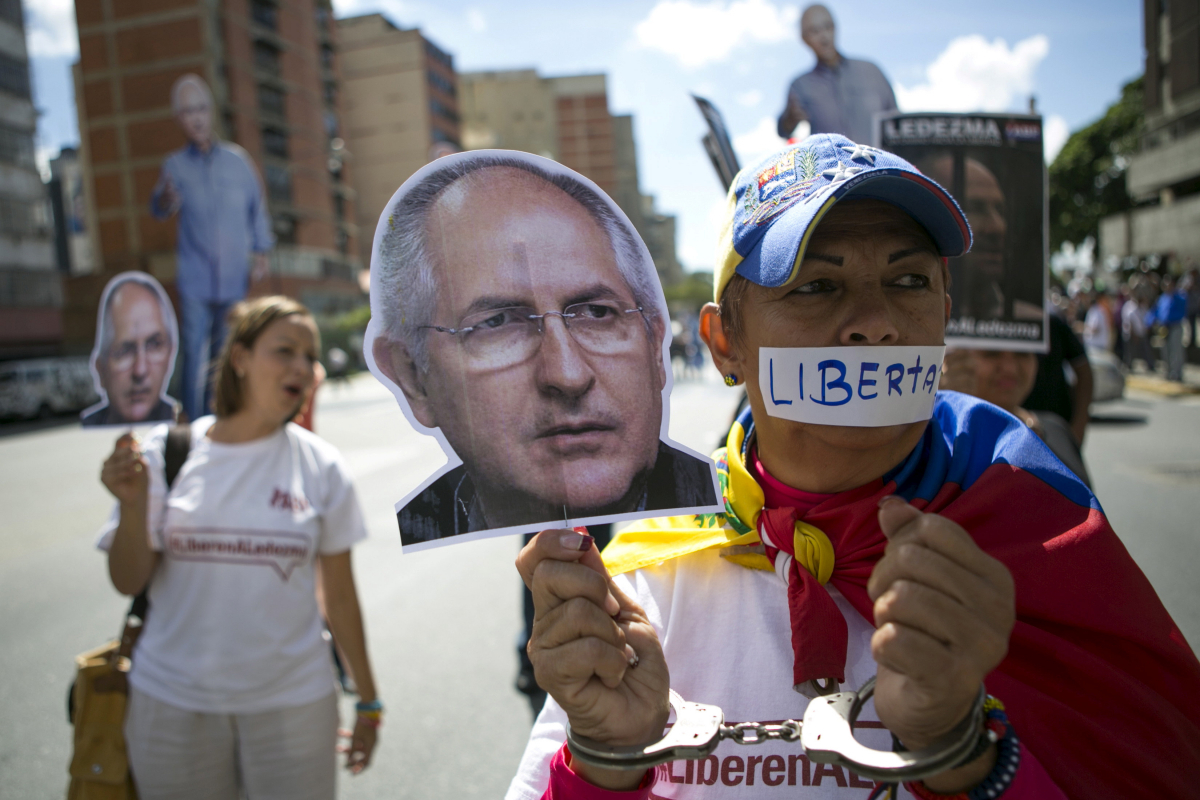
[690, 293]
[1087, 178]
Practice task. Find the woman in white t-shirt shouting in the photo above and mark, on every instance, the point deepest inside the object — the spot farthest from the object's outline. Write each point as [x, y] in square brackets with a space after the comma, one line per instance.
[232, 687]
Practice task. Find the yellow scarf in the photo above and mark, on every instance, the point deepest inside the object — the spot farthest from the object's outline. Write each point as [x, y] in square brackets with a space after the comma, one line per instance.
[653, 541]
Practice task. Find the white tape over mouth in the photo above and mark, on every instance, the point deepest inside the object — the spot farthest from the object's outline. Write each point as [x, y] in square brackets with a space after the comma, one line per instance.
[862, 387]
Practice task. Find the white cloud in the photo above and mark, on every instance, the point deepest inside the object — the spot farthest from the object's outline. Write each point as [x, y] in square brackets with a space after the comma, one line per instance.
[699, 33]
[761, 141]
[50, 27]
[972, 74]
[41, 158]
[397, 11]
[477, 20]
[699, 252]
[750, 98]
[1054, 135]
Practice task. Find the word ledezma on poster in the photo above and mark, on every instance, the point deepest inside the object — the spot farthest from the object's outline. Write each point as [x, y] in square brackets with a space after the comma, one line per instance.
[864, 387]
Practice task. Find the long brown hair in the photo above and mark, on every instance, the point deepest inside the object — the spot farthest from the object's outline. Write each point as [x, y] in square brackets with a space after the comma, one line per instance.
[247, 321]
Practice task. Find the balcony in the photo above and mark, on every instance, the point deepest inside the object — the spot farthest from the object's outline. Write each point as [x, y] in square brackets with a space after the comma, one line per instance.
[1164, 166]
[265, 14]
[1173, 227]
[266, 58]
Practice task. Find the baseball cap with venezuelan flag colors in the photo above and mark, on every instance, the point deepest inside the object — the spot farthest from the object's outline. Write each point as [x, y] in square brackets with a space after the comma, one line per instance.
[776, 204]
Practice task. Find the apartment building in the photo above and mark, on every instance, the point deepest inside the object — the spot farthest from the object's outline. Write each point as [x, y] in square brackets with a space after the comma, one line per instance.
[30, 284]
[72, 245]
[567, 119]
[400, 101]
[273, 69]
[1167, 168]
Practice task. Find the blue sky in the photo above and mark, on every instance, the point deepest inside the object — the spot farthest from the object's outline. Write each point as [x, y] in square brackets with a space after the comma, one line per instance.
[741, 54]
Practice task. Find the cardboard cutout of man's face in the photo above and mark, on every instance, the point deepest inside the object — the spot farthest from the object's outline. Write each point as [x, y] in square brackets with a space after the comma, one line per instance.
[194, 114]
[134, 353]
[537, 365]
[818, 31]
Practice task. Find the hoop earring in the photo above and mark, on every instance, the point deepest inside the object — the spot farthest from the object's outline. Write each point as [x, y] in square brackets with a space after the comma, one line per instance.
[731, 380]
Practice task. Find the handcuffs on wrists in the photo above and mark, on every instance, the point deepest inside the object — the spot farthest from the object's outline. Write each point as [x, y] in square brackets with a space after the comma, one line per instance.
[826, 733]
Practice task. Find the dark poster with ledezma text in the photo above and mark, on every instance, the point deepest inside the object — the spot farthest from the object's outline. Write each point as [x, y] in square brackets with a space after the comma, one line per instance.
[993, 166]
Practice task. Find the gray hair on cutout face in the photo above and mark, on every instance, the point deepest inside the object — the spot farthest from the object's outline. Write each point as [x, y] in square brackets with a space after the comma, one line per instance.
[408, 286]
[184, 81]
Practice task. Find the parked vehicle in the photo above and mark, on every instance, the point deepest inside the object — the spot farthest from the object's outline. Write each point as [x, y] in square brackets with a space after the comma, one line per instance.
[45, 386]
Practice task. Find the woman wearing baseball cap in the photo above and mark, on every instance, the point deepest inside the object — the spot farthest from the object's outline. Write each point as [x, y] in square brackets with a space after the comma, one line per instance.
[940, 551]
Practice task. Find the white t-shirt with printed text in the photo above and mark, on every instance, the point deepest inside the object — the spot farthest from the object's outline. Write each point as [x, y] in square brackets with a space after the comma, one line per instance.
[1097, 328]
[233, 624]
[726, 635]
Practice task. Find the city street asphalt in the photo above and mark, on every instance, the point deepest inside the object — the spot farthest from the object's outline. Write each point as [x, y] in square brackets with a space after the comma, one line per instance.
[442, 624]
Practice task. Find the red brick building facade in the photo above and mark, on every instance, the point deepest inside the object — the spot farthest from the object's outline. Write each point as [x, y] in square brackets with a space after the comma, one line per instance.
[272, 67]
[585, 135]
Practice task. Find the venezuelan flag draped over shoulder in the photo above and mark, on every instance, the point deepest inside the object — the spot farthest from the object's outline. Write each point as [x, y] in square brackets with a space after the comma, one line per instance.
[1099, 682]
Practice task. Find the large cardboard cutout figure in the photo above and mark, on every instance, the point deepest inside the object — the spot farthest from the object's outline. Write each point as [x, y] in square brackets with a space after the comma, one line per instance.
[133, 357]
[518, 319]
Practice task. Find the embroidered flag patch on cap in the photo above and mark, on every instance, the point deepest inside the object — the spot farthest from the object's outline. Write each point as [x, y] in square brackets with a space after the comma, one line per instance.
[775, 205]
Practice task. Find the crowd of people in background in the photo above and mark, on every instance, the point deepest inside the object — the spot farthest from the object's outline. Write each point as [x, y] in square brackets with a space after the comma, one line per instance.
[1148, 318]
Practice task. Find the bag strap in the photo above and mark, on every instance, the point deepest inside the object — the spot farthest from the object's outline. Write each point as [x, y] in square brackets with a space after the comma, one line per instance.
[175, 452]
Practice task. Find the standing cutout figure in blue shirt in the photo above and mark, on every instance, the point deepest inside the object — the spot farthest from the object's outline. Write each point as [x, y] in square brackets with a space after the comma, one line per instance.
[840, 95]
[214, 188]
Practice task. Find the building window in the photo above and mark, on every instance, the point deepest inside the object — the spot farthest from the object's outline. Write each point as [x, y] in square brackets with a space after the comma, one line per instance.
[16, 147]
[275, 142]
[339, 207]
[279, 183]
[284, 226]
[439, 55]
[264, 13]
[10, 11]
[441, 83]
[439, 109]
[327, 56]
[335, 160]
[331, 94]
[266, 57]
[322, 15]
[14, 76]
[439, 135]
[271, 100]
[343, 241]
[22, 217]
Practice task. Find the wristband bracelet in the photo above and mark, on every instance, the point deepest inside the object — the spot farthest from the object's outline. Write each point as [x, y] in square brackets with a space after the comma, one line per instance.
[996, 730]
[374, 705]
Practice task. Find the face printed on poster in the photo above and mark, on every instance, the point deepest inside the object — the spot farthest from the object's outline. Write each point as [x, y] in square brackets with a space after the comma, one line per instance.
[993, 166]
[862, 387]
[133, 357]
[517, 318]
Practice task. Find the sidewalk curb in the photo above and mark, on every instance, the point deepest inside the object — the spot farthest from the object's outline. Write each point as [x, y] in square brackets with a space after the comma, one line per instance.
[1160, 386]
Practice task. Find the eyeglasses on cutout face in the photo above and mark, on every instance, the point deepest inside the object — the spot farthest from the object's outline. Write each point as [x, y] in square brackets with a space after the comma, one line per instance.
[155, 349]
[503, 337]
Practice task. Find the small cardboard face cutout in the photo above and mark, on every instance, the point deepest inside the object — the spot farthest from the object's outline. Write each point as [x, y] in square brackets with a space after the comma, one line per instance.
[517, 318]
[137, 339]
